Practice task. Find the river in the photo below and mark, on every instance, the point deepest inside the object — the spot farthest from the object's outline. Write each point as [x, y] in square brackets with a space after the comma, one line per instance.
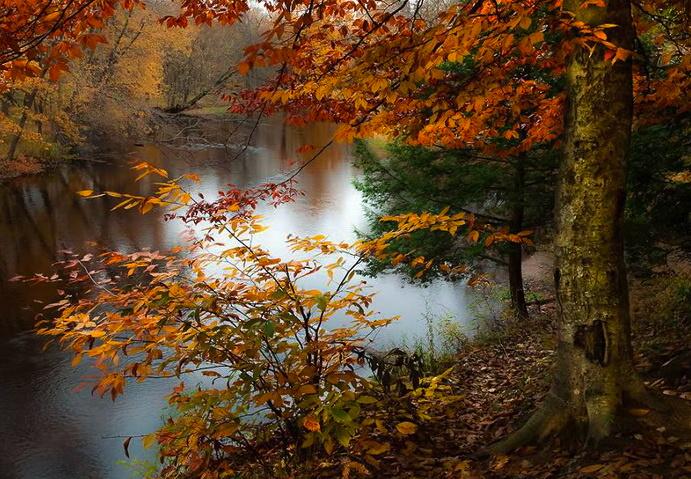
[50, 431]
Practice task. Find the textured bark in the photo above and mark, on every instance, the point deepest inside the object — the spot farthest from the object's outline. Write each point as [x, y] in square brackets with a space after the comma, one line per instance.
[594, 372]
[590, 275]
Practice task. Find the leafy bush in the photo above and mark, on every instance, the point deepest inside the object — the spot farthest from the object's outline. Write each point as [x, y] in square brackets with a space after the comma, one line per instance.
[277, 367]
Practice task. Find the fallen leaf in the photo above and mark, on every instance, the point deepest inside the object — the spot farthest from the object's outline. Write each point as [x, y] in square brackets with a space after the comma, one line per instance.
[406, 428]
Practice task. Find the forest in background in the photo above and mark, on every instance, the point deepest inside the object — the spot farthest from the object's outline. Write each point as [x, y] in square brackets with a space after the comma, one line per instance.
[132, 73]
[487, 134]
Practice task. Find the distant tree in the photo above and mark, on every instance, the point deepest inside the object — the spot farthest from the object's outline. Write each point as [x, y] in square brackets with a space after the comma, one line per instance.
[658, 191]
[49, 33]
[512, 193]
[205, 65]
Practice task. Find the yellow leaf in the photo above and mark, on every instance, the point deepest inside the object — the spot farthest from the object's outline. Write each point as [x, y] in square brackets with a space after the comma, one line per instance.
[148, 440]
[591, 468]
[406, 428]
[536, 37]
[377, 448]
[639, 412]
[146, 207]
[85, 193]
[227, 429]
[525, 22]
[499, 462]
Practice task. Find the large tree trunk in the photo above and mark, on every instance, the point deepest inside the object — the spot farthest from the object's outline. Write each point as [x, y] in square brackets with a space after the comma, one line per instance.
[516, 289]
[594, 374]
[595, 359]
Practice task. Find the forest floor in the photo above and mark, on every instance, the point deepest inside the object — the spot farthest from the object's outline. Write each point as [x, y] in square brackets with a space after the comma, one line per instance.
[502, 375]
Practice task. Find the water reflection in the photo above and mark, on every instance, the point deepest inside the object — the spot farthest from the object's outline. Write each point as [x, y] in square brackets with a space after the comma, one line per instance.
[53, 432]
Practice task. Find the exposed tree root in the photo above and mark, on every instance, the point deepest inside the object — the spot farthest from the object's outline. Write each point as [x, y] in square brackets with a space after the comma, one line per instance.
[550, 419]
[554, 416]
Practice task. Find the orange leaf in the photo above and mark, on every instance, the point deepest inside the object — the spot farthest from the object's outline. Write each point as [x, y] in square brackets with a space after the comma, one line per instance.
[92, 40]
[56, 70]
[311, 424]
[243, 68]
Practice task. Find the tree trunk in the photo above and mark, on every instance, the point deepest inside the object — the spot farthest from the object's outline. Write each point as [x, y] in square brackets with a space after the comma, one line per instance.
[5, 104]
[14, 142]
[38, 108]
[595, 359]
[594, 373]
[186, 105]
[516, 289]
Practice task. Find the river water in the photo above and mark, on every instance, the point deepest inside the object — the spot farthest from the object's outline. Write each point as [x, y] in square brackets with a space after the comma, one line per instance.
[51, 431]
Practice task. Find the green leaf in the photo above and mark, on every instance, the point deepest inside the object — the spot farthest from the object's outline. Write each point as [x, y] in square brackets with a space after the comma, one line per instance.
[340, 415]
[322, 301]
[354, 411]
[269, 329]
[343, 437]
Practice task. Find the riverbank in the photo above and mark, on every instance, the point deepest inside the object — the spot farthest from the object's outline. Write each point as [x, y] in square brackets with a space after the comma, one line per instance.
[33, 160]
[42, 217]
[500, 376]
[22, 166]
[497, 379]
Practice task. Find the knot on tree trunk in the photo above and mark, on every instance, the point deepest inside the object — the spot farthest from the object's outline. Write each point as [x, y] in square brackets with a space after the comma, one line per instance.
[594, 342]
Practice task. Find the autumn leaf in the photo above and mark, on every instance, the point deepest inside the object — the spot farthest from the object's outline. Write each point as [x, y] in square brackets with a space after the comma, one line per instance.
[91, 40]
[406, 428]
[340, 415]
[377, 448]
[311, 424]
[307, 389]
[148, 440]
[126, 446]
[499, 462]
[639, 412]
[243, 68]
[591, 468]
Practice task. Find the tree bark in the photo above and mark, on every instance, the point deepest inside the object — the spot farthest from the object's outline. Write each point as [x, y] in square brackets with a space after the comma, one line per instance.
[516, 289]
[594, 374]
[590, 275]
